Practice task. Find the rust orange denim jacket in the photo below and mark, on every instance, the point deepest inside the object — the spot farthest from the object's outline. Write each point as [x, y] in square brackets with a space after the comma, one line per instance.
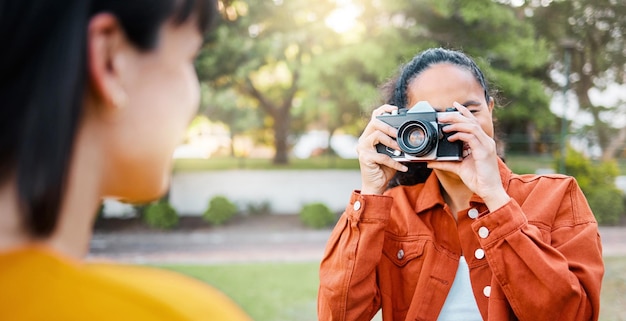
[538, 257]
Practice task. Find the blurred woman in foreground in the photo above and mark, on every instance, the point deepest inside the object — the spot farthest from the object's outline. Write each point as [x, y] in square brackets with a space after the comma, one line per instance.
[95, 96]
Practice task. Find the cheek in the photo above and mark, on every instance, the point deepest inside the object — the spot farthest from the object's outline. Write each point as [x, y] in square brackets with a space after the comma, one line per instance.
[486, 123]
[157, 117]
[172, 102]
[193, 92]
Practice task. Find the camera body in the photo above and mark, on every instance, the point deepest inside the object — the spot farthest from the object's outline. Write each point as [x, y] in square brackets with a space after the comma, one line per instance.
[420, 136]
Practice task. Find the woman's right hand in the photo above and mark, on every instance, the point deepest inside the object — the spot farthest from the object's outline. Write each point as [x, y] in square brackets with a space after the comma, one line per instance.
[376, 168]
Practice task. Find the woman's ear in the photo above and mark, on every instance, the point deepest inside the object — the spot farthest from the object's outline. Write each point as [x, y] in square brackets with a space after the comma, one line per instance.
[106, 43]
[491, 103]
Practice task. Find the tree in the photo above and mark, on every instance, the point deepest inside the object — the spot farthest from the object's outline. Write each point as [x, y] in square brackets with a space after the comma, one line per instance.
[286, 59]
[597, 29]
[260, 50]
[503, 42]
[226, 106]
[341, 89]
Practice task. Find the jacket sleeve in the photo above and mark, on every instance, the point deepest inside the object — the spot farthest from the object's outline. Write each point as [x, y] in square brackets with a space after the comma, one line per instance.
[348, 287]
[545, 272]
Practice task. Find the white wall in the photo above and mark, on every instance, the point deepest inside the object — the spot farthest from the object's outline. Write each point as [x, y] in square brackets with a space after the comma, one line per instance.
[285, 190]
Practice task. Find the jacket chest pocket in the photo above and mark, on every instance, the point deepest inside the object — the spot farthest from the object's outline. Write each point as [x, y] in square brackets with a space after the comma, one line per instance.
[399, 272]
[401, 252]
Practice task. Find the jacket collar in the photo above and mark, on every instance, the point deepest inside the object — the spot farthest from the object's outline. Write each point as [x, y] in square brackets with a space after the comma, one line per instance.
[430, 195]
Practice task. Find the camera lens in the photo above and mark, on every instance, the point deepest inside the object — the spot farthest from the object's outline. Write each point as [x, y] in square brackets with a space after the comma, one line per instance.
[417, 138]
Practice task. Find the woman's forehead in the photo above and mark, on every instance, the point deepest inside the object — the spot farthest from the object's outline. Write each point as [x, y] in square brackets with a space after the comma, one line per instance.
[443, 84]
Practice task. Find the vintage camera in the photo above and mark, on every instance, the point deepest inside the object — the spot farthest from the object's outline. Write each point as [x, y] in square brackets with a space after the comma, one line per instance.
[420, 136]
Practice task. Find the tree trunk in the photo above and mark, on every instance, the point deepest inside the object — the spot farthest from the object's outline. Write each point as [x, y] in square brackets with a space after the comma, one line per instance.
[330, 153]
[282, 122]
[611, 151]
[232, 143]
[531, 133]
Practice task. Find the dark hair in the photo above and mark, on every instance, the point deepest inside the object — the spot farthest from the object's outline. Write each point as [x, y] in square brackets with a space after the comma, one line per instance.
[395, 93]
[43, 80]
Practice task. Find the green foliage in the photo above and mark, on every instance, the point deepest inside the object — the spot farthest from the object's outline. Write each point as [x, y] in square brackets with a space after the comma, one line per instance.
[529, 164]
[279, 65]
[160, 215]
[226, 163]
[220, 210]
[597, 182]
[259, 208]
[317, 215]
[594, 33]
[100, 213]
[607, 204]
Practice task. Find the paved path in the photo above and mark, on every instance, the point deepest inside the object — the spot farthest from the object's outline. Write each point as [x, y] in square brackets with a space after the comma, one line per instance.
[203, 247]
[245, 245]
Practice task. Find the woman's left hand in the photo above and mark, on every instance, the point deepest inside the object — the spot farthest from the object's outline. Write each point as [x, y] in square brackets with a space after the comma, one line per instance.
[479, 168]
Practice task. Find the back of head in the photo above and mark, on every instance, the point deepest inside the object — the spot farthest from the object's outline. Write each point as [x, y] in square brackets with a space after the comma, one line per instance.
[43, 81]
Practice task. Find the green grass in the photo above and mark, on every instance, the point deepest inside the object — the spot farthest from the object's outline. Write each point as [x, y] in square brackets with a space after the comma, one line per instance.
[521, 164]
[228, 163]
[524, 164]
[288, 291]
[613, 296]
[518, 163]
[266, 291]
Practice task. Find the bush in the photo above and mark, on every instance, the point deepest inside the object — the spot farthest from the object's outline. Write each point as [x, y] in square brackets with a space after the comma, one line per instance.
[259, 208]
[160, 215]
[597, 181]
[606, 203]
[317, 215]
[220, 210]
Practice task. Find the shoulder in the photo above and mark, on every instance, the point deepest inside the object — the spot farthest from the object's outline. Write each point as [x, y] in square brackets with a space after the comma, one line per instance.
[162, 293]
[551, 194]
[36, 280]
[547, 182]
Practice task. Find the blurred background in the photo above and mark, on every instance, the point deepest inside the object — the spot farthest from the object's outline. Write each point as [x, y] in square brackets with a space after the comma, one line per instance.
[288, 85]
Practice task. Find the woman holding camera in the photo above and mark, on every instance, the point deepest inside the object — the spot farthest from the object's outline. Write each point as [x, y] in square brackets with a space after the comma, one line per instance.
[95, 95]
[458, 240]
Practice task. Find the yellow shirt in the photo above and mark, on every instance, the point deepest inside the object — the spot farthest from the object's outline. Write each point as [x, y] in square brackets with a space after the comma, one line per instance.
[39, 284]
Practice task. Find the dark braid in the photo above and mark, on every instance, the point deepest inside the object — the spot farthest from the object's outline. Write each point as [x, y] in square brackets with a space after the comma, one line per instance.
[395, 92]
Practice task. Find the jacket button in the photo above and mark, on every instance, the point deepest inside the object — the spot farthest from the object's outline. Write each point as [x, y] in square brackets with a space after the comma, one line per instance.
[479, 254]
[357, 205]
[400, 254]
[487, 291]
[472, 213]
[483, 232]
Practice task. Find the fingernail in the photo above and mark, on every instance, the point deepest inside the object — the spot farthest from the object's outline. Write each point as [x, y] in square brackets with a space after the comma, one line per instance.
[405, 169]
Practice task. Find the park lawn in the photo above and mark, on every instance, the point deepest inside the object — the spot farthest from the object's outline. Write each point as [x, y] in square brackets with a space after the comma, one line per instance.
[288, 291]
[266, 291]
[613, 296]
[519, 163]
[231, 163]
